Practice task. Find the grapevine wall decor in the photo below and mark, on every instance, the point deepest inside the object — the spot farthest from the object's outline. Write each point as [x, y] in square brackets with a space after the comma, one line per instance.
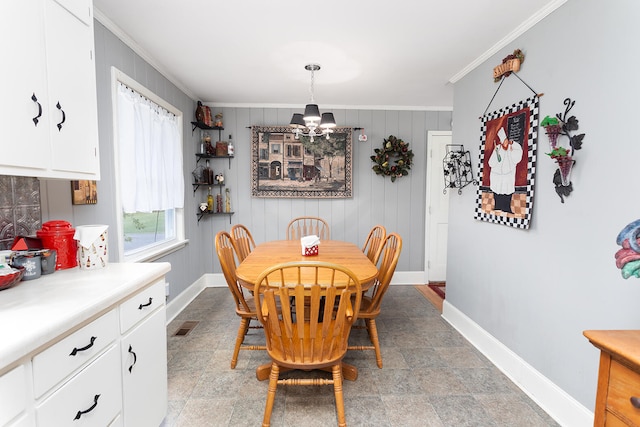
[561, 125]
[394, 159]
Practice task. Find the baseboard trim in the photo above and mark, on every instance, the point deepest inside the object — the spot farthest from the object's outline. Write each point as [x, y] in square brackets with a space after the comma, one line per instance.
[563, 408]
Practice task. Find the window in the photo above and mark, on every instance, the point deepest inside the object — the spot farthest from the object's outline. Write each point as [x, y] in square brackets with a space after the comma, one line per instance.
[275, 148]
[293, 150]
[149, 172]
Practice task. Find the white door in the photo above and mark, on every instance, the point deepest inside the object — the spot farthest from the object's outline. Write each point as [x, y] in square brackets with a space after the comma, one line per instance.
[437, 218]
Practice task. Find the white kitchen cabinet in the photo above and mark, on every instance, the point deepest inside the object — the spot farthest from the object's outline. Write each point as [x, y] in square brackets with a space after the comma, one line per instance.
[72, 352]
[144, 372]
[15, 392]
[90, 398]
[113, 320]
[48, 115]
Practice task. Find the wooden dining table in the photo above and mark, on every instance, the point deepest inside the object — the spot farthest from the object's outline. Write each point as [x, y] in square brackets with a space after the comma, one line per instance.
[274, 252]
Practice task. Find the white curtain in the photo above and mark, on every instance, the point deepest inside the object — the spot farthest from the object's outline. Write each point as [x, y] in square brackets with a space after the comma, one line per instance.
[150, 151]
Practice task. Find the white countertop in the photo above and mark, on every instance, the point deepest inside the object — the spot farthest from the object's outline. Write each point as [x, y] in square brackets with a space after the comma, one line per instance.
[35, 312]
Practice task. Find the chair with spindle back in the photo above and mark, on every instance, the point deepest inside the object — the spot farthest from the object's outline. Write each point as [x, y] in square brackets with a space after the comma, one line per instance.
[370, 307]
[308, 225]
[313, 338]
[373, 245]
[245, 305]
[242, 241]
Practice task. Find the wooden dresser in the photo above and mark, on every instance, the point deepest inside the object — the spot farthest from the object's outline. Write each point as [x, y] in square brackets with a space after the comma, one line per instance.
[618, 394]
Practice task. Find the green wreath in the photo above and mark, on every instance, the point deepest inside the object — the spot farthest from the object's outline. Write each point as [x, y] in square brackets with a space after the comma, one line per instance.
[394, 159]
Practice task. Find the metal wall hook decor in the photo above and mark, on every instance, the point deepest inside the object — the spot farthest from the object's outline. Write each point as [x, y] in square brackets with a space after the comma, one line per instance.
[563, 125]
[457, 168]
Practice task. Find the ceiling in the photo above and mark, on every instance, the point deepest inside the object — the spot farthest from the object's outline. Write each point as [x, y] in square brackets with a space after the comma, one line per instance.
[402, 54]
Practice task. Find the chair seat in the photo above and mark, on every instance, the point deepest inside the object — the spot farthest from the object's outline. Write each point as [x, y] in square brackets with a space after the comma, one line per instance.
[366, 309]
[251, 303]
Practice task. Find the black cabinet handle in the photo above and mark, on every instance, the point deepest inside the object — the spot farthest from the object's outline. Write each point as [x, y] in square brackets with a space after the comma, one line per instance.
[35, 99]
[64, 116]
[81, 413]
[145, 305]
[86, 347]
[635, 401]
[135, 358]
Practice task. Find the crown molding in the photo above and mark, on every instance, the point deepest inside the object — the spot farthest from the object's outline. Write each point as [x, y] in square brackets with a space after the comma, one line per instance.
[521, 29]
[127, 40]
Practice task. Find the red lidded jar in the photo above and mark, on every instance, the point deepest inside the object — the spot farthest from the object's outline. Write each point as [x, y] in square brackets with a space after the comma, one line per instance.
[58, 235]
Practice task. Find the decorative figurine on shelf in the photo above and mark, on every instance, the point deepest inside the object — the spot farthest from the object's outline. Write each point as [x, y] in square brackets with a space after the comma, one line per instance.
[218, 122]
[208, 147]
[227, 202]
[200, 112]
[219, 178]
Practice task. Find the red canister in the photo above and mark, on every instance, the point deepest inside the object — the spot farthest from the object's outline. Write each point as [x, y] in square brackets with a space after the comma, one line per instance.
[58, 235]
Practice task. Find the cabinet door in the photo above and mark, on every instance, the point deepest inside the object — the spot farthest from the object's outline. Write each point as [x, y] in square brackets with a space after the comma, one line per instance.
[23, 143]
[144, 372]
[14, 394]
[80, 8]
[72, 92]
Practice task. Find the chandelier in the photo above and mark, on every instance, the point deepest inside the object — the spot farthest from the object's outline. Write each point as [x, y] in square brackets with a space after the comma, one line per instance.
[312, 124]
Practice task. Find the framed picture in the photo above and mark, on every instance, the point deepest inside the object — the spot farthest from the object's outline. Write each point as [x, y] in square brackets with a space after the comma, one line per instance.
[507, 164]
[283, 166]
[84, 192]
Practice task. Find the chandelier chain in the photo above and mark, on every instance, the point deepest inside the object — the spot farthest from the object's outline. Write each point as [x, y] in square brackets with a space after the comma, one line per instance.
[311, 87]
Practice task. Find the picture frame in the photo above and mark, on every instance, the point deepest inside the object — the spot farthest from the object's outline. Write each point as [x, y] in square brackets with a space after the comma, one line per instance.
[286, 167]
[84, 192]
[507, 164]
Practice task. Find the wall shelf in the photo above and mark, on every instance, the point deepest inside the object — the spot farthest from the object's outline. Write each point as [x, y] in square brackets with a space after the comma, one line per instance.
[211, 156]
[201, 125]
[201, 214]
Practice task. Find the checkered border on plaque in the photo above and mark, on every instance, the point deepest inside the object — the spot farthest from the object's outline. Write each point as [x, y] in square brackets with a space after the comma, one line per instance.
[481, 213]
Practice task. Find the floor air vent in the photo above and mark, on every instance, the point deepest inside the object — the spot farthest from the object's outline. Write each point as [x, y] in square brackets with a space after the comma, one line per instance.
[186, 328]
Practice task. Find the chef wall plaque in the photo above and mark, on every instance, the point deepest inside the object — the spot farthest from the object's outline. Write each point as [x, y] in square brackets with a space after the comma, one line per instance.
[507, 164]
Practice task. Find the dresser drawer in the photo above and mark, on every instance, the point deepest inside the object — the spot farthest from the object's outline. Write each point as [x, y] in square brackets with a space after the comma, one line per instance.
[13, 394]
[64, 357]
[141, 305]
[623, 384]
[75, 403]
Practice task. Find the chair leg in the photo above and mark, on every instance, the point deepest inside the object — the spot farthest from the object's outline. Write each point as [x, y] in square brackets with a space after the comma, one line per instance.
[373, 336]
[337, 390]
[242, 331]
[271, 394]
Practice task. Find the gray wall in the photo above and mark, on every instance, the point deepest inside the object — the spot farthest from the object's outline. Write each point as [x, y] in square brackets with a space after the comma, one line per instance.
[400, 206]
[537, 290]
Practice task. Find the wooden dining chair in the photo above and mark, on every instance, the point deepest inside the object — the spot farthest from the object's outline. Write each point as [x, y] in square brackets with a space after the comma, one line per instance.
[370, 308]
[317, 336]
[308, 225]
[373, 245]
[245, 304]
[242, 241]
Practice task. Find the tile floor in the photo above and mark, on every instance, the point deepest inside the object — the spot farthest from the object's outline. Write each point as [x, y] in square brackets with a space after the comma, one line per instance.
[431, 377]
